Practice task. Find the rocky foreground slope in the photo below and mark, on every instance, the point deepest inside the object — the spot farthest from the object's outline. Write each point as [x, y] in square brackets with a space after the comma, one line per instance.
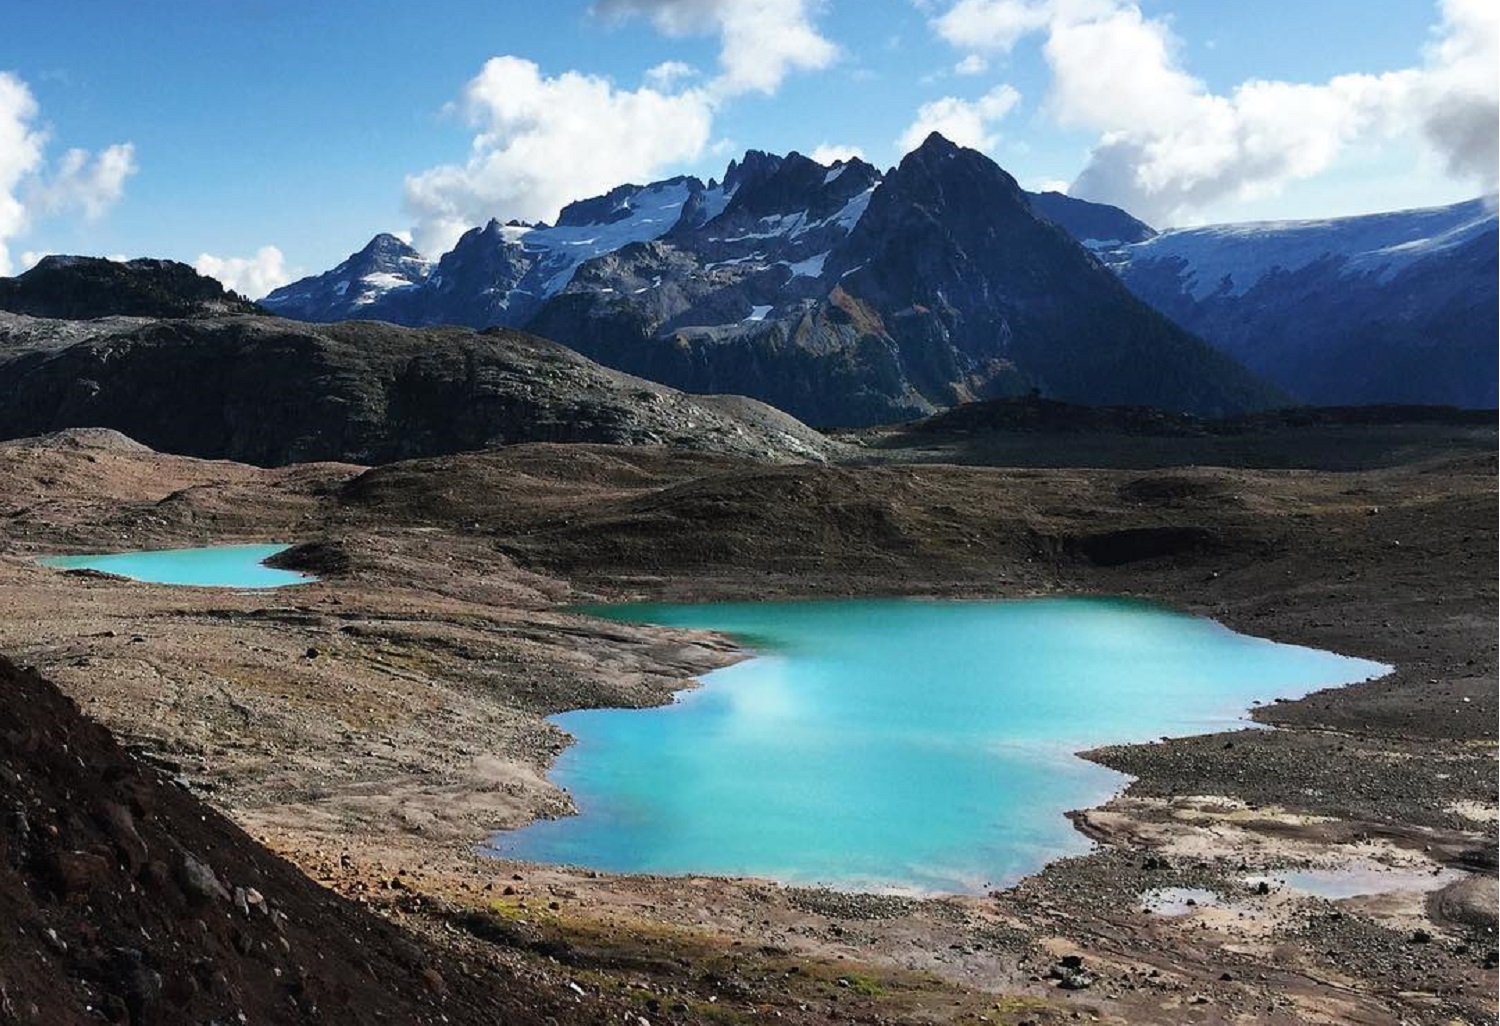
[126, 899]
[267, 391]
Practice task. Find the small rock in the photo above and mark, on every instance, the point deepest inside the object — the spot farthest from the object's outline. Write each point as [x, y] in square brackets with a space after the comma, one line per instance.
[199, 881]
[78, 872]
[1076, 980]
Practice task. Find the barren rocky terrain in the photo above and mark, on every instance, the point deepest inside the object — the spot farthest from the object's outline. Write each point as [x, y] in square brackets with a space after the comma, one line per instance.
[375, 726]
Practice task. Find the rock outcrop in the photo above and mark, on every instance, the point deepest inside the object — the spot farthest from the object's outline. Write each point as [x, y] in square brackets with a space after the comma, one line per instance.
[270, 392]
[85, 288]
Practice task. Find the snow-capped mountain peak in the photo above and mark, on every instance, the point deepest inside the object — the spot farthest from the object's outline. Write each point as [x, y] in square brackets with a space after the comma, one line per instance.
[1395, 307]
[1231, 259]
[385, 265]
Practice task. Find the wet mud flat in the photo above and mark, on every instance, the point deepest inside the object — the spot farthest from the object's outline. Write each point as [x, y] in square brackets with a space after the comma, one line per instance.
[375, 727]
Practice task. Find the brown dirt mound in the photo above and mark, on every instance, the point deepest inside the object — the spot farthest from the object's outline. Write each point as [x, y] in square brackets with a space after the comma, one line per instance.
[126, 899]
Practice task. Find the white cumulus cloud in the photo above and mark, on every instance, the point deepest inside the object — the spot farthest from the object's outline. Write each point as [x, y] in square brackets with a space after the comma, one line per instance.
[251, 277]
[965, 122]
[1457, 96]
[991, 24]
[760, 41]
[20, 156]
[29, 190]
[832, 153]
[544, 142]
[1169, 146]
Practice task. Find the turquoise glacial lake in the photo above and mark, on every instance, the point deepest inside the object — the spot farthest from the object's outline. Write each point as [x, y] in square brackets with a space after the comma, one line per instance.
[219, 566]
[898, 745]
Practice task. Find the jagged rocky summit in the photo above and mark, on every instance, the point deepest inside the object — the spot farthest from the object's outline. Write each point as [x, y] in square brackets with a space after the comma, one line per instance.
[837, 293]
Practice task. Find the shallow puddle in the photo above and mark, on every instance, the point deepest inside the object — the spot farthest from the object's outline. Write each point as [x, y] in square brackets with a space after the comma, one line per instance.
[1177, 901]
[1355, 881]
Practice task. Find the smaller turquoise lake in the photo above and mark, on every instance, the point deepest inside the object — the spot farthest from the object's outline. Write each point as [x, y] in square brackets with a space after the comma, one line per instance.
[219, 566]
[898, 745]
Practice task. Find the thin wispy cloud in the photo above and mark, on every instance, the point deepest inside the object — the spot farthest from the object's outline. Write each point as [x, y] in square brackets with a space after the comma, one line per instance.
[760, 41]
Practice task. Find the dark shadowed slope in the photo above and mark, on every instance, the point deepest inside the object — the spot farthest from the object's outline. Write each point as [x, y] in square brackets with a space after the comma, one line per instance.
[267, 391]
[126, 899]
[943, 286]
[83, 288]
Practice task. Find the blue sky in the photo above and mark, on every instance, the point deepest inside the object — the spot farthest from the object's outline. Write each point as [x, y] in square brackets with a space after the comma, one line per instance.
[266, 138]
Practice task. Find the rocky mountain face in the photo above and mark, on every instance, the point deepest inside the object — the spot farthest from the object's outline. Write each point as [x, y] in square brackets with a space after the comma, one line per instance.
[1095, 225]
[83, 288]
[267, 391]
[497, 274]
[1384, 308]
[839, 294]
[386, 266]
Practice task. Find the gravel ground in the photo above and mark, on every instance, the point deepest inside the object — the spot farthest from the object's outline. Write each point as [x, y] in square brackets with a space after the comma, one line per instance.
[374, 726]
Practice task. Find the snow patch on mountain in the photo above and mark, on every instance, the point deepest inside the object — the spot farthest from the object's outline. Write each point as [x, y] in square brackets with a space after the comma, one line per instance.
[812, 267]
[714, 201]
[1230, 259]
[855, 209]
[560, 250]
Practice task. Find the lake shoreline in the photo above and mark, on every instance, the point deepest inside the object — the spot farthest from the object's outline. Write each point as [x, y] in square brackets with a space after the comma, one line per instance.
[441, 646]
[1002, 666]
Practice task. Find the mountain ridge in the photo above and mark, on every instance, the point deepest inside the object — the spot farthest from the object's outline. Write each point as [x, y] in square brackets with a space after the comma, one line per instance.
[271, 392]
[1396, 307]
[88, 288]
[739, 286]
